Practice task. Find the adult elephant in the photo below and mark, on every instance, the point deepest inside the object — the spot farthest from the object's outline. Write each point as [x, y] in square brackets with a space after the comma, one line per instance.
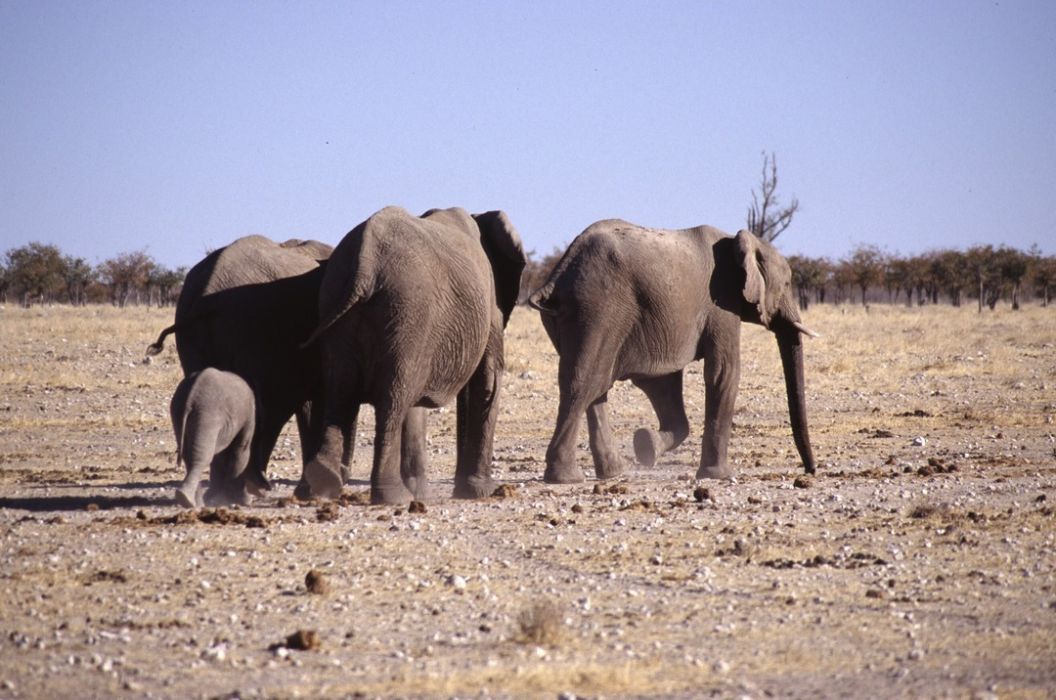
[245, 309]
[412, 313]
[627, 302]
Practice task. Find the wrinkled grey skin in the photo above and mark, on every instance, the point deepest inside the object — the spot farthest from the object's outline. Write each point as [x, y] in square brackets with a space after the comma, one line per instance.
[413, 311]
[213, 414]
[627, 302]
[246, 308]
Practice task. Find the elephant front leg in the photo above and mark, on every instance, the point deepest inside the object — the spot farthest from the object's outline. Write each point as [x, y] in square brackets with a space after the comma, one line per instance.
[722, 372]
[665, 395]
[478, 411]
[607, 462]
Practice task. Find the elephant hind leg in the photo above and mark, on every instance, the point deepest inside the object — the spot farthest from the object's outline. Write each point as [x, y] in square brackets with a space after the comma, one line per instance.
[322, 475]
[225, 485]
[186, 495]
[311, 428]
[607, 461]
[585, 375]
[665, 395]
[478, 412]
[561, 467]
[386, 479]
[266, 434]
[196, 440]
[413, 459]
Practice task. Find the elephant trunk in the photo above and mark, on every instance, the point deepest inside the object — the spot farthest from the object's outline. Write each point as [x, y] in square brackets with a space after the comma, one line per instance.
[790, 343]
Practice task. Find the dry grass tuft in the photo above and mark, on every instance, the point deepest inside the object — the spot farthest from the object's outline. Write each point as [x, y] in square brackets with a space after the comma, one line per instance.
[542, 623]
[927, 511]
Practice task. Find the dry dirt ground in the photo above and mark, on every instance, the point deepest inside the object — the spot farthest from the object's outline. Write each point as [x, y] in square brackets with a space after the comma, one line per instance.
[918, 562]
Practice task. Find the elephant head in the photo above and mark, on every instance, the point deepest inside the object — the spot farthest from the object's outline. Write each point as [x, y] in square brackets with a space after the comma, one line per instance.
[503, 247]
[768, 299]
[767, 285]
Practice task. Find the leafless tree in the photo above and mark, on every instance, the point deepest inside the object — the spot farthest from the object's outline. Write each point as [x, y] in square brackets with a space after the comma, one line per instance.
[767, 219]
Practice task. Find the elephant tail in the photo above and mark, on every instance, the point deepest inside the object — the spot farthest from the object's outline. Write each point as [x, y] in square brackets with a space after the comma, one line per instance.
[203, 312]
[159, 344]
[357, 296]
[542, 300]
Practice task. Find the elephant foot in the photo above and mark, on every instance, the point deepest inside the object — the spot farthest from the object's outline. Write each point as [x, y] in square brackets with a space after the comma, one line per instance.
[648, 446]
[609, 466]
[566, 474]
[186, 497]
[215, 497]
[418, 487]
[474, 487]
[715, 471]
[303, 492]
[395, 495]
[255, 482]
[323, 481]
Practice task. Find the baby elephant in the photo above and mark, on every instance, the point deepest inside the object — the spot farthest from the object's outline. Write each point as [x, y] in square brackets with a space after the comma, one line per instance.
[213, 415]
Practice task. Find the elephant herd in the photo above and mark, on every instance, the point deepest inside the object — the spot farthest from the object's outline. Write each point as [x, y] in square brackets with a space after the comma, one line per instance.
[409, 312]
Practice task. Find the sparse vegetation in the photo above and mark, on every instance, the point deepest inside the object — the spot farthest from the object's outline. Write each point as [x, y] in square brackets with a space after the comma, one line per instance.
[541, 623]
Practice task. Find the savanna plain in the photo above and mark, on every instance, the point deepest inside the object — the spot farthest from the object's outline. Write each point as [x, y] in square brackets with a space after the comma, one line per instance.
[920, 561]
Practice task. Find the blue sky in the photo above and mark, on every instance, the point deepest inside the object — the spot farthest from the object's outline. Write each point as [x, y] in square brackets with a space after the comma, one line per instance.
[176, 127]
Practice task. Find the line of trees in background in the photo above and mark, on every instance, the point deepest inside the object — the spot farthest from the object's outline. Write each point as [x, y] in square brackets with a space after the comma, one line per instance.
[983, 274]
[39, 273]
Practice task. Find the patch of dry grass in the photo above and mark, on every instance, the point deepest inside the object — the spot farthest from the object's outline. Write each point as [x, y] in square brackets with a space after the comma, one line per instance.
[547, 678]
[83, 349]
[541, 623]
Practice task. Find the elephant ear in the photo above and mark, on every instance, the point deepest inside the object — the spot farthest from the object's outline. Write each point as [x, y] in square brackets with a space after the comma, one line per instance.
[754, 283]
[503, 247]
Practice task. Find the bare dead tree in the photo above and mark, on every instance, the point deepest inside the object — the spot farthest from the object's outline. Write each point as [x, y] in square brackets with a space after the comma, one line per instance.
[767, 219]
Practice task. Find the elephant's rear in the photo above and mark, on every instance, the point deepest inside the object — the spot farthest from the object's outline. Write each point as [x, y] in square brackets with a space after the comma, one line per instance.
[402, 304]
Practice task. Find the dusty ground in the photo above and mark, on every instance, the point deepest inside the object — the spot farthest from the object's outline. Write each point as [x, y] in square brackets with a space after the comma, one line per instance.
[919, 562]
